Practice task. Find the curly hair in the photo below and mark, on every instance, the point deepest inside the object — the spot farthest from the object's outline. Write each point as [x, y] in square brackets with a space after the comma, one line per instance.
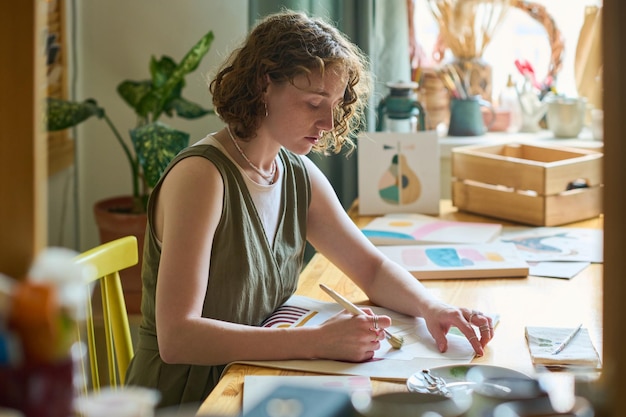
[283, 46]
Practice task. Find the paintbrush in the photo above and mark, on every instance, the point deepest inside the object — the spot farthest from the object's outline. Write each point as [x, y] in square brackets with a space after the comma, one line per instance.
[461, 87]
[394, 340]
[448, 83]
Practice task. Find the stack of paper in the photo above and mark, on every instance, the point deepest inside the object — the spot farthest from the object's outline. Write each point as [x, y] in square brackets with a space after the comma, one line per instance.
[580, 351]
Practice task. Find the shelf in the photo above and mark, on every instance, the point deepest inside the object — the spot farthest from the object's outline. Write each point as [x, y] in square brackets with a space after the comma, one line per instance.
[543, 137]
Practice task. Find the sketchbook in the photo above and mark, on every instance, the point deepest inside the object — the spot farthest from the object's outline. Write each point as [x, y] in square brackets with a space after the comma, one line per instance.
[490, 260]
[418, 351]
[409, 229]
[579, 352]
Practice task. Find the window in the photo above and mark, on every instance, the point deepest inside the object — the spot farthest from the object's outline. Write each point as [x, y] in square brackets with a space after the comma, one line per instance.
[519, 36]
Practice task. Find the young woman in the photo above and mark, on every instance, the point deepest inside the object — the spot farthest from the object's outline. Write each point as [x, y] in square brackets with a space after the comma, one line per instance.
[228, 222]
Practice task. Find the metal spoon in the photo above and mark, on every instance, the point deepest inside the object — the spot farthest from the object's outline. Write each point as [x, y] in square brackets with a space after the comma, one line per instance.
[435, 384]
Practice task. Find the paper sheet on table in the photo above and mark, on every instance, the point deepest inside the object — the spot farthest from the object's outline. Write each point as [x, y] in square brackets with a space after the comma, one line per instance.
[556, 269]
[537, 244]
[418, 351]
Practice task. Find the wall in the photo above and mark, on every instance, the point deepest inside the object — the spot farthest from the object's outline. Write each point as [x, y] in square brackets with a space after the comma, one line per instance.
[114, 41]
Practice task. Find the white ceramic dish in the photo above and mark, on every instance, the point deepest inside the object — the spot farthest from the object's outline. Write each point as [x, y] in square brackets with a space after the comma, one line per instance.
[461, 377]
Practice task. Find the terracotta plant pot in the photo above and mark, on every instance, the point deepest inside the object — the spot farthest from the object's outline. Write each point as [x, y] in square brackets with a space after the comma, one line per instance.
[114, 220]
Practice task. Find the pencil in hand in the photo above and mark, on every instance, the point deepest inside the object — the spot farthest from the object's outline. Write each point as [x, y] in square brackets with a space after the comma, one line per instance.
[395, 341]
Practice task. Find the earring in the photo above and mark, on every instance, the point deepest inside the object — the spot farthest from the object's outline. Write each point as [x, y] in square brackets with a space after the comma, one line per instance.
[265, 104]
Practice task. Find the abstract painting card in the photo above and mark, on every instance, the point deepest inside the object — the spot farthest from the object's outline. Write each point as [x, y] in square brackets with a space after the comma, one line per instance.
[537, 244]
[420, 229]
[490, 260]
[398, 173]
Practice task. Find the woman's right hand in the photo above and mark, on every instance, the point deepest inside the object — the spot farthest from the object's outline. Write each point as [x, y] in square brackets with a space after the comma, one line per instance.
[351, 338]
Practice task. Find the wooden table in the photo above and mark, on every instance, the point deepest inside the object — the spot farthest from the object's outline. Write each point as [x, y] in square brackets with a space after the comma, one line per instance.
[519, 301]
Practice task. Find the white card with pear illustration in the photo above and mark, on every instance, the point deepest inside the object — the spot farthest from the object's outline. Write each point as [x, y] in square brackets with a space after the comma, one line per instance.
[398, 173]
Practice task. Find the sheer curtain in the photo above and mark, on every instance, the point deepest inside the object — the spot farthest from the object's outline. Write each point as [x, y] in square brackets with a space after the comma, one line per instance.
[380, 29]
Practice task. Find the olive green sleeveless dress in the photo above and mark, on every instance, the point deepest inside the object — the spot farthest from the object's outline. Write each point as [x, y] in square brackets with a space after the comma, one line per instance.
[249, 276]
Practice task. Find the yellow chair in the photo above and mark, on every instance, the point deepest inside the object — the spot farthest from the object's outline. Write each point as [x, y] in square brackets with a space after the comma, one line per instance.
[108, 259]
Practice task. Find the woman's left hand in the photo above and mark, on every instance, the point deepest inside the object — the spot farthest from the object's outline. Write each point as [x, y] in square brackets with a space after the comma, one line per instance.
[441, 317]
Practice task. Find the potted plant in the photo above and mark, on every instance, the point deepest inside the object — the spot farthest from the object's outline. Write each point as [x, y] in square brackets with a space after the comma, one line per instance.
[153, 144]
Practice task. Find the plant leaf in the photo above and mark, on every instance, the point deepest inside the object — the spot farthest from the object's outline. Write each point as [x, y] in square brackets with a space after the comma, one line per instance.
[148, 105]
[188, 64]
[156, 144]
[61, 114]
[191, 61]
[161, 70]
[151, 102]
[187, 109]
[133, 92]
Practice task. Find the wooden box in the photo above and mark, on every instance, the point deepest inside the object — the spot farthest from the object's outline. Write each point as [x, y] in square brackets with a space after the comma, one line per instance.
[534, 185]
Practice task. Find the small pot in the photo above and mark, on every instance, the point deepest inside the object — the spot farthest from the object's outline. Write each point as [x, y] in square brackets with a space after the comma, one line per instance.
[565, 115]
[114, 221]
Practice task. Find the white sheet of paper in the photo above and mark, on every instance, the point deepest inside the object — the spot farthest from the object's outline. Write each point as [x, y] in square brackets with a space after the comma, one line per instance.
[419, 350]
[417, 340]
[556, 269]
[418, 343]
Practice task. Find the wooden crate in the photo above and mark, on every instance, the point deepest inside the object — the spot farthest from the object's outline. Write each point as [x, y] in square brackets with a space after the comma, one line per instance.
[527, 183]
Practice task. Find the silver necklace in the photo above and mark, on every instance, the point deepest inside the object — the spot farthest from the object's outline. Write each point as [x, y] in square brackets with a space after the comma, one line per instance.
[267, 177]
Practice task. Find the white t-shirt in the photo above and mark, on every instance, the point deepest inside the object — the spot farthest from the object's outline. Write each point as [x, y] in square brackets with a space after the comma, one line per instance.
[266, 197]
